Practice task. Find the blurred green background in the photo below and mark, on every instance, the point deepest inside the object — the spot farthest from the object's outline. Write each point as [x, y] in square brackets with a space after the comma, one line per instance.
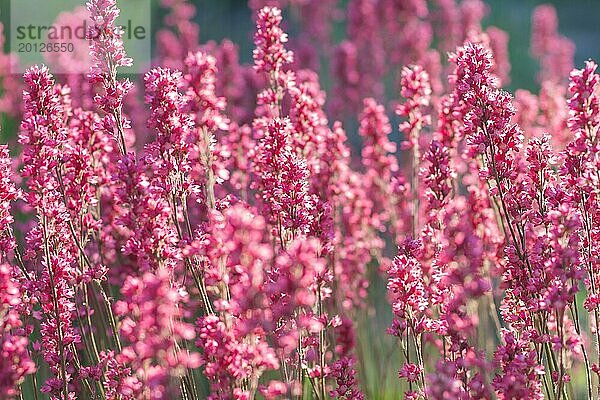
[579, 21]
[220, 19]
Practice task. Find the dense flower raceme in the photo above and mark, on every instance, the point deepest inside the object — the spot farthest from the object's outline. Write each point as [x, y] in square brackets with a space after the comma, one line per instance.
[49, 245]
[284, 182]
[554, 51]
[212, 232]
[151, 307]
[108, 54]
[270, 54]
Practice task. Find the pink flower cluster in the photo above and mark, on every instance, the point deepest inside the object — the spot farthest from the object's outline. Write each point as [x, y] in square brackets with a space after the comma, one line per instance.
[210, 231]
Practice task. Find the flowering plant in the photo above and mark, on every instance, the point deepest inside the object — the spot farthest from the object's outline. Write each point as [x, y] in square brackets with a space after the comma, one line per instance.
[209, 232]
